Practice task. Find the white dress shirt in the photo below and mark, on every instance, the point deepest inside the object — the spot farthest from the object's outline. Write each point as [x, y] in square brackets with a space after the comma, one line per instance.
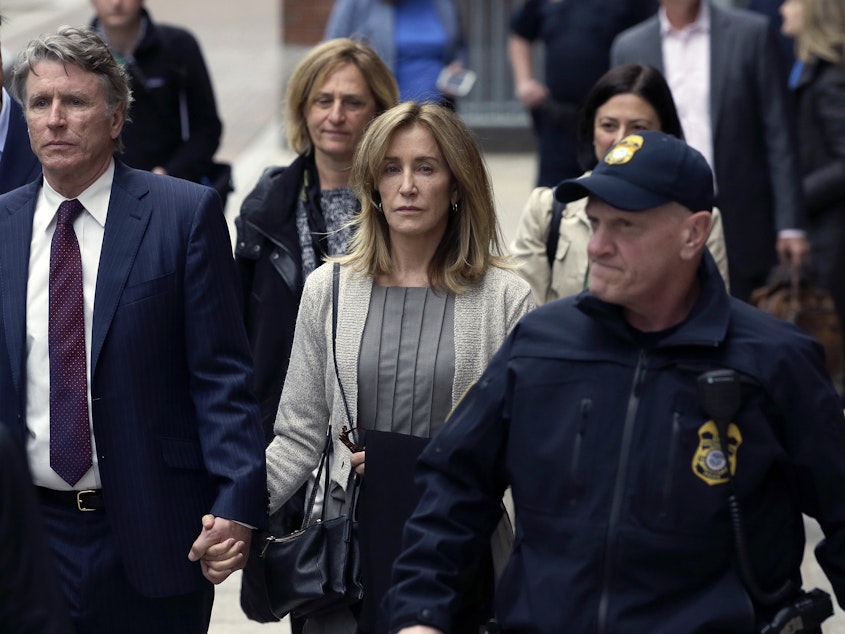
[686, 65]
[89, 227]
[686, 62]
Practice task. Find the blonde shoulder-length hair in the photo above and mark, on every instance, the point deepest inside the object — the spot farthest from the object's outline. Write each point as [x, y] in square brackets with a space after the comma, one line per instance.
[471, 242]
[314, 70]
[822, 35]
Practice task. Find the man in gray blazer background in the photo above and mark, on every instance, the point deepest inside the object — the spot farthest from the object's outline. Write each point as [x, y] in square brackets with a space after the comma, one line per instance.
[722, 65]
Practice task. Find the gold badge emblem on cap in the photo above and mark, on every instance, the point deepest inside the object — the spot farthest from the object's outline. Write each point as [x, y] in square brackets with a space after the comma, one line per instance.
[624, 151]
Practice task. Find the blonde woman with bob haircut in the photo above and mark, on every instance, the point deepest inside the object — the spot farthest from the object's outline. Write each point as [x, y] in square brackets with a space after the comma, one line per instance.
[295, 216]
[314, 71]
[424, 301]
[299, 214]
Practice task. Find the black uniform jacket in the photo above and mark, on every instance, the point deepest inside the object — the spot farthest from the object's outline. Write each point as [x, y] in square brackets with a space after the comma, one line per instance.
[270, 263]
[619, 476]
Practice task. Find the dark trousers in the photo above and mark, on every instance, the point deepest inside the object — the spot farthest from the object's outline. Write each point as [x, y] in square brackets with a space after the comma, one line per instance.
[100, 597]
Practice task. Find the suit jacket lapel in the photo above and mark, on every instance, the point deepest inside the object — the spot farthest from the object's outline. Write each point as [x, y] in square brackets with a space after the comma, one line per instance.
[721, 50]
[653, 46]
[129, 213]
[16, 226]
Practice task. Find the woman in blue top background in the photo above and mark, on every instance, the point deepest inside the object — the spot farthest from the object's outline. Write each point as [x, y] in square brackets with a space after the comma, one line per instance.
[415, 38]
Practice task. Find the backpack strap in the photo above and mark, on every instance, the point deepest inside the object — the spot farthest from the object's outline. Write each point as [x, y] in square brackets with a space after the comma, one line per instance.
[554, 229]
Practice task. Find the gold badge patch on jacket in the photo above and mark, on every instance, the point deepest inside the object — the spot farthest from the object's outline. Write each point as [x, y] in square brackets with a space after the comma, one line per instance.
[711, 461]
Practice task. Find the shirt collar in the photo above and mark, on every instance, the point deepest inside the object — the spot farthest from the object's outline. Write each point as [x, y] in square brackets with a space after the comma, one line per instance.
[700, 25]
[95, 198]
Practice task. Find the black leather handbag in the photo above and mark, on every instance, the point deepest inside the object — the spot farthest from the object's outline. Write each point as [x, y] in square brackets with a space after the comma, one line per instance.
[317, 569]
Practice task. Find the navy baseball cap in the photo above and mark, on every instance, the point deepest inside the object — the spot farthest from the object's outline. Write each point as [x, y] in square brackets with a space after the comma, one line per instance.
[643, 171]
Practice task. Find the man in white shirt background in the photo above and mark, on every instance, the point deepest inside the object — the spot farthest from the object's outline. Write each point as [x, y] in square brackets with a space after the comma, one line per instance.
[723, 68]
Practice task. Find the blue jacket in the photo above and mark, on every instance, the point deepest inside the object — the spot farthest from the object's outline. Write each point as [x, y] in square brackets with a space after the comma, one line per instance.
[622, 521]
[373, 22]
[18, 165]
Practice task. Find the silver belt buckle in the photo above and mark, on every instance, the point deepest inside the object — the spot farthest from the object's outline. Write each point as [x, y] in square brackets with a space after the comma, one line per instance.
[80, 503]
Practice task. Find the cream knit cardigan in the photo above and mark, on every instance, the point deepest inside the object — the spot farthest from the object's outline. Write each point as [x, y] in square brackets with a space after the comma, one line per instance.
[311, 399]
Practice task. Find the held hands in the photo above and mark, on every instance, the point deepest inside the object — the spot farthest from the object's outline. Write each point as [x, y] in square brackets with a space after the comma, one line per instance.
[221, 547]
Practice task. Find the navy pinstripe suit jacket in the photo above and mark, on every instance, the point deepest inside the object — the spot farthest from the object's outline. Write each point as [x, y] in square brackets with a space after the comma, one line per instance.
[178, 432]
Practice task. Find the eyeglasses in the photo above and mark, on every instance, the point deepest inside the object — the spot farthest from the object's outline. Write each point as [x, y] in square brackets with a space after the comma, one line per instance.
[344, 438]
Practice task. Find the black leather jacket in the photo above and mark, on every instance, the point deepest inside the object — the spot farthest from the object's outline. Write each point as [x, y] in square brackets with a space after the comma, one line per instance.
[269, 259]
[821, 125]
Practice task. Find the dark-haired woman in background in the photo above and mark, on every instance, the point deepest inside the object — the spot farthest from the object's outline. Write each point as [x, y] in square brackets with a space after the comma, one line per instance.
[625, 100]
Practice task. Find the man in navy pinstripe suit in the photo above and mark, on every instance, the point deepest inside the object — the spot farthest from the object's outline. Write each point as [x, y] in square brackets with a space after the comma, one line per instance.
[172, 432]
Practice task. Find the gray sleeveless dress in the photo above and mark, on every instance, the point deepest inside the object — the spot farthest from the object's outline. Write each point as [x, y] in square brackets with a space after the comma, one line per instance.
[406, 365]
[406, 368]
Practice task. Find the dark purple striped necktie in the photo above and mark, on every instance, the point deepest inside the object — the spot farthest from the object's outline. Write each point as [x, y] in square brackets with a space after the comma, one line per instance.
[70, 438]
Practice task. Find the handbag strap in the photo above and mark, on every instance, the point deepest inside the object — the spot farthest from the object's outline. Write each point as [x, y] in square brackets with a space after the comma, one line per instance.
[328, 448]
[324, 458]
[554, 229]
[313, 497]
[324, 469]
[335, 293]
[350, 421]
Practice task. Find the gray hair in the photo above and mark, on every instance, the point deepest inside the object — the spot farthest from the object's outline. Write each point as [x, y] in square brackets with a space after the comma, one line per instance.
[84, 49]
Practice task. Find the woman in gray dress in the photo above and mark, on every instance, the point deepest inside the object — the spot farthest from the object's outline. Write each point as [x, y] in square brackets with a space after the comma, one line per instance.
[425, 299]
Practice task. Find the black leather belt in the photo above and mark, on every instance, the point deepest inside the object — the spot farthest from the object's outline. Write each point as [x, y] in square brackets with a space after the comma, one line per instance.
[85, 500]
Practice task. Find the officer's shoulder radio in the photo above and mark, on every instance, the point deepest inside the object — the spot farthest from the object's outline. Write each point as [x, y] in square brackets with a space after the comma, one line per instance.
[795, 611]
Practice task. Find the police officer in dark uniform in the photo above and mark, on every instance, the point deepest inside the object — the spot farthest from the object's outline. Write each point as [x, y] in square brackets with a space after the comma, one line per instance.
[661, 439]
